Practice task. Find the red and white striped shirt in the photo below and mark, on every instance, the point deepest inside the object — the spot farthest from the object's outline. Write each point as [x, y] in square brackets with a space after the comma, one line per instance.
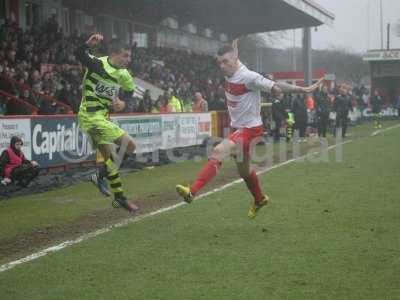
[243, 94]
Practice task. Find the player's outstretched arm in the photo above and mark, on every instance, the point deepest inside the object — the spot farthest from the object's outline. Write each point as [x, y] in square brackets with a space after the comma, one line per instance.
[94, 40]
[283, 87]
[83, 56]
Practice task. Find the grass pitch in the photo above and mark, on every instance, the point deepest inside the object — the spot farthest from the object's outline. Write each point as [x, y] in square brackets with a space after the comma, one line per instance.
[331, 232]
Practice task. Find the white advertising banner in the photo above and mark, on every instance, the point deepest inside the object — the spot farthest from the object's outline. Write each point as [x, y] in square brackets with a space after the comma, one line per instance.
[203, 127]
[183, 130]
[18, 127]
[145, 129]
[169, 131]
[187, 130]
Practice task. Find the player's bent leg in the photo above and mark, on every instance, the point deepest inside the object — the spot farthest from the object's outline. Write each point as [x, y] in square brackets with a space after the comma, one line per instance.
[99, 178]
[94, 130]
[208, 172]
[127, 146]
[115, 180]
[251, 179]
[126, 143]
[103, 134]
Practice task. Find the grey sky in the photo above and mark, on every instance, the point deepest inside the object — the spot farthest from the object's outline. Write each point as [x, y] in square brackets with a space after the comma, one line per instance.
[350, 29]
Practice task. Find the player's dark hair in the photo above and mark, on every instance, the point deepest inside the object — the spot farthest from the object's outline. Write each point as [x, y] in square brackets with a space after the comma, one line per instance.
[224, 49]
[116, 46]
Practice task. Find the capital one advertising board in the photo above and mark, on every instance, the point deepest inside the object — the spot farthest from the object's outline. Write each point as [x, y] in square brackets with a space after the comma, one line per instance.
[59, 141]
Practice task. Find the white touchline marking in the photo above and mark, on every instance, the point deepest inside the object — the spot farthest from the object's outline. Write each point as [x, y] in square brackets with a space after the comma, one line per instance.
[375, 133]
[84, 237]
[125, 222]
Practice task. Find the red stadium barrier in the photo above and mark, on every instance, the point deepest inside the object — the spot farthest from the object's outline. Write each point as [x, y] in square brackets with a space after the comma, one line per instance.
[47, 98]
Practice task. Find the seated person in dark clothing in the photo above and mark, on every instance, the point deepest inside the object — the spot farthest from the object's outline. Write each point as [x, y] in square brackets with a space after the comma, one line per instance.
[14, 167]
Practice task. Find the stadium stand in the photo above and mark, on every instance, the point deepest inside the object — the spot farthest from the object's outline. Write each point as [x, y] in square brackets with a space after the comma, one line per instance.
[39, 69]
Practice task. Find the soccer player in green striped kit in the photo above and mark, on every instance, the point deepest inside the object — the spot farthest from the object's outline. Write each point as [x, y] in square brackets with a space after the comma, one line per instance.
[105, 81]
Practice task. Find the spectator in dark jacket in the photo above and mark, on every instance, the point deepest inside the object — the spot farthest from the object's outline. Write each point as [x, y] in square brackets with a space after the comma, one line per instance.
[14, 167]
[300, 117]
[322, 109]
[376, 106]
[279, 115]
[342, 107]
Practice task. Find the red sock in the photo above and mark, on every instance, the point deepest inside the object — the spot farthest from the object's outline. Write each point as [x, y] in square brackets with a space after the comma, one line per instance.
[208, 172]
[254, 186]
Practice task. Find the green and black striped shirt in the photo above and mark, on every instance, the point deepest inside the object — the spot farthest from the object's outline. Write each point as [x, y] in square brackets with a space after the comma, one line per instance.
[101, 84]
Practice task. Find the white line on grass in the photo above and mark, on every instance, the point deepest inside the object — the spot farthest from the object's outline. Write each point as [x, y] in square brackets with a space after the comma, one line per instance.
[375, 133]
[125, 222]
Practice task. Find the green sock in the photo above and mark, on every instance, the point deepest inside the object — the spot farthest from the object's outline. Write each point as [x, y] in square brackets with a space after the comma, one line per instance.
[114, 178]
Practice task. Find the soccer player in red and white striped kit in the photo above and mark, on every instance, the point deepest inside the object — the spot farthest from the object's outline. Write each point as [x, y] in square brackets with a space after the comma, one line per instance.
[243, 93]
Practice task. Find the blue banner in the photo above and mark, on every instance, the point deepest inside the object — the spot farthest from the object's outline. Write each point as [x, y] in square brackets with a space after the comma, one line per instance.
[59, 141]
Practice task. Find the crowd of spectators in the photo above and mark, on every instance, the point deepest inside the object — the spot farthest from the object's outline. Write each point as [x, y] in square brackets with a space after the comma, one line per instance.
[182, 74]
[326, 110]
[41, 61]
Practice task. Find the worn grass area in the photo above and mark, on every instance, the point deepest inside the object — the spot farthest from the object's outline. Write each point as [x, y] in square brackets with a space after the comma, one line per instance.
[331, 232]
[22, 214]
[153, 187]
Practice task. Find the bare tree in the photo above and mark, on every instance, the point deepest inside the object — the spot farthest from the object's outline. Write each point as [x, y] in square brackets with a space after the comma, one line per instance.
[345, 64]
[252, 45]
